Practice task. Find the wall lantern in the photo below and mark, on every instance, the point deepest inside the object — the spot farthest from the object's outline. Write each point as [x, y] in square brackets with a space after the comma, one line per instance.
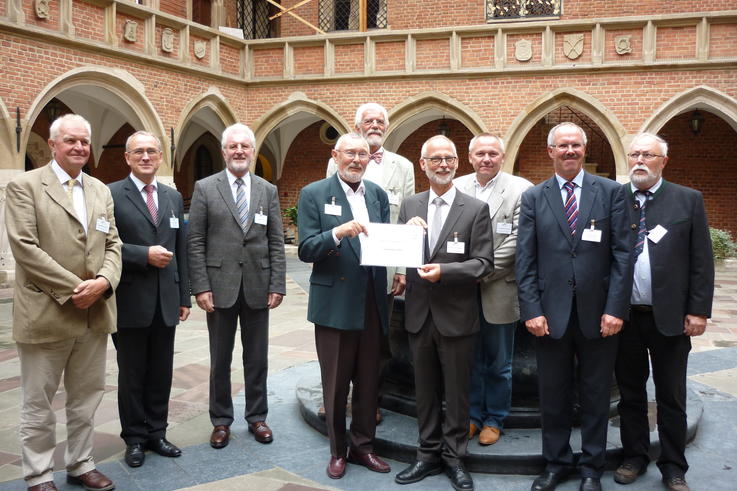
[443, 127]
[696, 122]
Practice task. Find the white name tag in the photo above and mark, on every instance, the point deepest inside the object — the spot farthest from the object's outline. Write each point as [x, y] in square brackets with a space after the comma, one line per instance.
[333, 210]
[173, 222]
[102, 225]
[504, 228]
[456, 247]
[656, 234]
[260, 218]
[394, 198]
[591, 235]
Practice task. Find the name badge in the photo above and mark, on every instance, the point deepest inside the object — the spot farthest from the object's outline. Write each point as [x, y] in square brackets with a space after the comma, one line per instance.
[455, 247]
[260, 218]
[332, 209]
[173, 222]
[102, 225]
[394, 198]
[591, 235]
[656, 234]
[504, 228]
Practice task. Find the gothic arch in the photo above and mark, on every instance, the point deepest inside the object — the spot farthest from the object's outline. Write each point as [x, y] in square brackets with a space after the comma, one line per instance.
[213, 114]
[605, 119]
[417, 110]
[131, 103]
[277, 128]
[701, 97]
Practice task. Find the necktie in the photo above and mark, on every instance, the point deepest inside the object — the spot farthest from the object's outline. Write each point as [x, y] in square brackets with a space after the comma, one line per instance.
[571, 206]
[437, 222]
[150, 203]
[642, 231]
[377, 157]
[70, 187]
[241, 203]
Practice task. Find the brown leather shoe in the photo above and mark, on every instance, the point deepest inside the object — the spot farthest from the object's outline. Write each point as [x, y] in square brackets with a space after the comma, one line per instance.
[628, 472]
[489, 435]
[261, 432]
[93, 480]
[676, 483]
[472, 430]
[336, 467]
[44, 486]
[220, 436]
[371, 461]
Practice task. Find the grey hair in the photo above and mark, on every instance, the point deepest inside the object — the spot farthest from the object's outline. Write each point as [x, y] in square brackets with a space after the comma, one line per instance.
[237, 127]
[56, 125]
[350, 136]
[141, 133]
[565, 124]
[371, 105]
[438, 137]
[663, 144]
[486, 135]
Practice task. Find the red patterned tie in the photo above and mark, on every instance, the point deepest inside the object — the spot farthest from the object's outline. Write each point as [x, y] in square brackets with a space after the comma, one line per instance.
[150, 203]
[571, 206]
[377, 157]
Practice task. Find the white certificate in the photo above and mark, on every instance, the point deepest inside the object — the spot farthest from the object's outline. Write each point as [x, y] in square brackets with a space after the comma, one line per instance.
[392, 245]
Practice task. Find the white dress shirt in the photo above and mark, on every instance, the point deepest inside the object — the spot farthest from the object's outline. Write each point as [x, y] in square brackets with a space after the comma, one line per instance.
[578, 181]
[642, 292]
[80, 209]
[234, 187]
[357, 202]
[448, 198]
[140, 185]
[375, 172]
[483, 192]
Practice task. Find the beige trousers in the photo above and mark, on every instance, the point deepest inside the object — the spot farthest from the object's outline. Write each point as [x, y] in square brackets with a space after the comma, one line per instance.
[82, 362]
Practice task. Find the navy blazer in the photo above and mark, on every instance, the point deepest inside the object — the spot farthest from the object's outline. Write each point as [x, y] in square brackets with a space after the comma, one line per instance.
[338, 281]
[682, 262]
[553, 266]
[143, 286]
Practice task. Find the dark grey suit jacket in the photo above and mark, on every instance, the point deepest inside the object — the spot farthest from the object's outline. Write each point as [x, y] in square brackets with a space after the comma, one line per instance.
[136, 304]
[552, 265]
[222, 258]
[681, 263]
[452, 301]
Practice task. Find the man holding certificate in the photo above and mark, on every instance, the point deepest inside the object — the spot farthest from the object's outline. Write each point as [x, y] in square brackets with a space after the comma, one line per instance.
[347, 301]
[442, 312]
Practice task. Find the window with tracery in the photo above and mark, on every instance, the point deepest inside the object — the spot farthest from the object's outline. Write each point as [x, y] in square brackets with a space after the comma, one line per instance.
[521, 9]
[344, 15]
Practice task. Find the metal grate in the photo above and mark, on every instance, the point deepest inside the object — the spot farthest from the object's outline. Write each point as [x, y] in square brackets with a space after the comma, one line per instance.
[253, 18]
[521, 9]
[344, 15]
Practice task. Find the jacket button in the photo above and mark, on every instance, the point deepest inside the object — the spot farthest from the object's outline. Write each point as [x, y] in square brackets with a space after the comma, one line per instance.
[240, 263]
[573, 253]
[633, 226]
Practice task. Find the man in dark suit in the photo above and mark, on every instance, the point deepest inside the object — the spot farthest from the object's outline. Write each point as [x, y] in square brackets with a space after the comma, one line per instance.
[672, 292]
[442, 312]
[347, 301]
[238, 271]
[153, 296]
[572, 271]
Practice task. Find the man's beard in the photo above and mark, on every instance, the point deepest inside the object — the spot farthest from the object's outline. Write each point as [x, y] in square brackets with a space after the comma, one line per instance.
[375, 140]
[440, 180]
[238, 167]
[639, 180]
[352, 173]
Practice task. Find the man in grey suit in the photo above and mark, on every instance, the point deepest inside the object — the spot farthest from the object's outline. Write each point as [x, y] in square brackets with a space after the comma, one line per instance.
[347, 302]
[442, 312]
[238, 271]
[491, 378]
[153, 296]
[572, 270]
[672, 293]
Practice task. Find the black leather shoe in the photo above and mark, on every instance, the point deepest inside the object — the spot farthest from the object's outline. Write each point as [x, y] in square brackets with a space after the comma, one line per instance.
[134, 455]
[459, 478]
[590, 484]
[164, 447]
[418, 471]
[548, 480]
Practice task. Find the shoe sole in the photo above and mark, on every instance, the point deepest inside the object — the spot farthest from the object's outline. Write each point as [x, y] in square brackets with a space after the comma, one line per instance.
[134, 464]
[629, 480]
[219, 445]
[78, 482]
[260, 440]
[432, 472]
[355, 462]
[335, 477]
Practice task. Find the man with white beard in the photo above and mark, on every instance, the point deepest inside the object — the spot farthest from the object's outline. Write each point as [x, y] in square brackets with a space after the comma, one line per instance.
[673, 286]
[442, 312]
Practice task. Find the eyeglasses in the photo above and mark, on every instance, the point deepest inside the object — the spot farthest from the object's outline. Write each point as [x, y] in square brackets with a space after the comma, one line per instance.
[438, 160]
[645, 156]
[352, 155]
[565, 146]
[138, 152]
[369, 122]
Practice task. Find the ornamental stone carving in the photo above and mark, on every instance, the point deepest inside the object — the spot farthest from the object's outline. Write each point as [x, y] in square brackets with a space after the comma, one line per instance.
[573, 45]
[623, 44]
[200, 48]
[129, 31]
[42, 8]
[167, 40]
[523, 50]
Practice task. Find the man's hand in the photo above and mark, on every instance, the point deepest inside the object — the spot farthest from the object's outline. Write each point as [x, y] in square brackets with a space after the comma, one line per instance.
[183, 313]
[89, 291]
[417, 221]
[274, 300]
[538, 326]
[350, 229]
[610, 325]
[398, 284]
[694, 325]
[204, 301]
[158, 256]
[429, 272]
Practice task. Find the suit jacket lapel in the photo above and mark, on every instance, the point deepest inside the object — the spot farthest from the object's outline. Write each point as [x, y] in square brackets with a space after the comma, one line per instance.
[56, 192]
[137, 200]
[223, 188]
[588, 197]
[389, 168]
[456, 210]
[346, 215]
[555, 201]
[255, 202]
[165, 209]
[497, 195]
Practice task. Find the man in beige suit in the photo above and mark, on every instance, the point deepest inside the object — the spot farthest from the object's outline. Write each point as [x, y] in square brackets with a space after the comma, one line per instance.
[62, 233]
[491, 377]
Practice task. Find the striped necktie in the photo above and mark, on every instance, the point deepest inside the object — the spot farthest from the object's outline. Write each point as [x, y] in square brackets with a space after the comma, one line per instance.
[150, 203]
[571, 206]
[241, 203]
[642, 231]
